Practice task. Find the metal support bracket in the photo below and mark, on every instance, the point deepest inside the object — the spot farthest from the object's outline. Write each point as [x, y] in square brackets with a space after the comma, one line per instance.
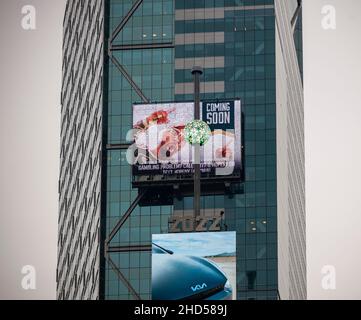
[108, 249]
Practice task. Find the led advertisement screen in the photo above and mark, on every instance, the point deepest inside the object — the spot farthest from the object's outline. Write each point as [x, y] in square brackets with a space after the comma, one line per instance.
[159, 136]
[194, 266]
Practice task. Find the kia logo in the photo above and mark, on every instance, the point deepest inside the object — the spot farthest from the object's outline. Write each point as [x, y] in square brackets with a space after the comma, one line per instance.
[198, 287]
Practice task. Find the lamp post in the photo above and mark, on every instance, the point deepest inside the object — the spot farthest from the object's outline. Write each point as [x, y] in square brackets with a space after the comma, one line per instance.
[197, 72]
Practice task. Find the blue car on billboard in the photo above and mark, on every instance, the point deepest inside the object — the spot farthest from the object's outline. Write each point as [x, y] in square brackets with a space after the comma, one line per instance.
[180, 277]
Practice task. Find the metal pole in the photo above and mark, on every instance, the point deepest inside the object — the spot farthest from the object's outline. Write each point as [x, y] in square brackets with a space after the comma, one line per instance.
[197, 72]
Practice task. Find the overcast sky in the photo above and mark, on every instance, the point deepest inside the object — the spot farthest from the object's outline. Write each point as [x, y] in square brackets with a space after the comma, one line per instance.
[30, 78]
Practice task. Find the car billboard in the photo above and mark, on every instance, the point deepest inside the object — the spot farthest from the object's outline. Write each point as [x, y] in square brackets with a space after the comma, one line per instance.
[194, 266]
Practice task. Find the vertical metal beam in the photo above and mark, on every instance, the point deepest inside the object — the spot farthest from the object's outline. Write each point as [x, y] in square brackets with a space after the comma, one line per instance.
[196, 72]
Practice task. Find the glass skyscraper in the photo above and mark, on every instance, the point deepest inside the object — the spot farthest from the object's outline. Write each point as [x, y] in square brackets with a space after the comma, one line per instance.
[121, 52]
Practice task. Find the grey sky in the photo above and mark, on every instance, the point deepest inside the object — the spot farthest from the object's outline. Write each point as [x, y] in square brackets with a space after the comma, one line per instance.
[30, 64]
[333, 147]
[29, 140]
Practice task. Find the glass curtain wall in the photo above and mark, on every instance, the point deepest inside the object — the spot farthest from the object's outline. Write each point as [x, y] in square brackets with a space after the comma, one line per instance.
[237, 45]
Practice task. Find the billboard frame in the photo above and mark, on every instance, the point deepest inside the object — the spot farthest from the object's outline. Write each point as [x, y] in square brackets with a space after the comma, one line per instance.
[153, 180]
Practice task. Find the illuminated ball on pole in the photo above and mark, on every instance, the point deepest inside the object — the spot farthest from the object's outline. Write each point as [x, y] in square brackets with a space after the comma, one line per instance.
[197, 132]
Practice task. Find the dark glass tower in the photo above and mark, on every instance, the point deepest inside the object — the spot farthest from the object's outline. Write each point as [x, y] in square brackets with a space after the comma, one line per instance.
[119, 52]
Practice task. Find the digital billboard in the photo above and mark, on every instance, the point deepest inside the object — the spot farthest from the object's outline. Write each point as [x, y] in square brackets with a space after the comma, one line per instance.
[194, 266]
[161, 148]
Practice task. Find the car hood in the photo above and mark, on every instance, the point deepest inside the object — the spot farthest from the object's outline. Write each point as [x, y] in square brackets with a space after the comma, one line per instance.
[177, 277]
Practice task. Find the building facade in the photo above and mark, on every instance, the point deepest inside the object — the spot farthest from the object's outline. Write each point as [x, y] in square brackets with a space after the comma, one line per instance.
[78, 267]
[120, 52]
